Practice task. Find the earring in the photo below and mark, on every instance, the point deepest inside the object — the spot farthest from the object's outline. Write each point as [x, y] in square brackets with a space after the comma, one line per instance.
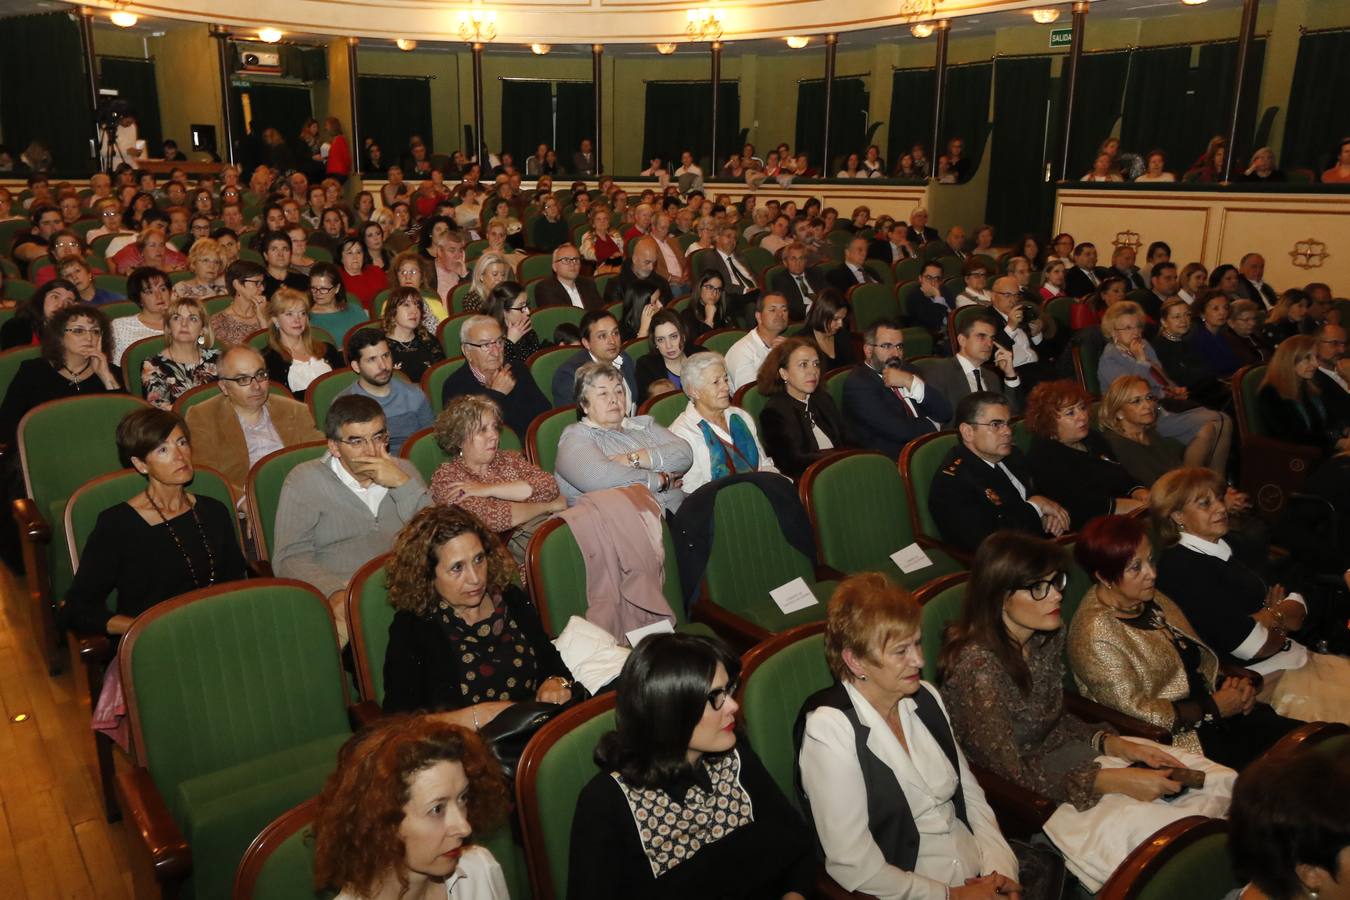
[862, 677]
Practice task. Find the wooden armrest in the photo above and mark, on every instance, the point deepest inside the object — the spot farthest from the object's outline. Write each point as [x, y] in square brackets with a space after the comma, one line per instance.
[1129, 726]
[741, 633]
[95, 649]
[32, 524]
[954, 552]
[1020, 812]
[147, 814]
[364, 714]
[829, 889]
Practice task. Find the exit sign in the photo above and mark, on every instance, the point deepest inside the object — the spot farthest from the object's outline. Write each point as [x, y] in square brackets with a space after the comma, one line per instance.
[1061, 37]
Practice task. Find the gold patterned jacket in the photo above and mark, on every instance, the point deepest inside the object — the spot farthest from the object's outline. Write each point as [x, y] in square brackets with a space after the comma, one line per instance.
[1137, 671]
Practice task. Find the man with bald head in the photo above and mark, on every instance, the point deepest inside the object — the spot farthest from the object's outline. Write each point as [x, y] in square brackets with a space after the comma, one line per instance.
[1018, 335]
[567, 286]
[1252, 284]
[640, 288]
[234, 430]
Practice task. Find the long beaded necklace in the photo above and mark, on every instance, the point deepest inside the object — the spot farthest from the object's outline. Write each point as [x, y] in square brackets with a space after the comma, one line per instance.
[206, 545]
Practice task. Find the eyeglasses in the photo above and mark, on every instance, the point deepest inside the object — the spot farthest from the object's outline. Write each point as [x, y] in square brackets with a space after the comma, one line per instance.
[247, 380]
[1004, 293]
[717, 697]
[1039, 590]
[80, 331]
[932, 277]
[320, 289]
[256, 282]
[378, 439]
[494, 344]
[888, 346]
[717, 289]
[996, 424]
[569, 260]
[520, 309]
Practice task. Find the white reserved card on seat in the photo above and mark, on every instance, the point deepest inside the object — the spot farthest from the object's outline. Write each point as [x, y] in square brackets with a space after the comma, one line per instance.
[660, 626]
[911, 559]
[793, 596]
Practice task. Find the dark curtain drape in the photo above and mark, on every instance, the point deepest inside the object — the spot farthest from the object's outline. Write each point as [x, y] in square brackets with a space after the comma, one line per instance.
[44, 92]
[966, 109]
[911, 114]
[304, 63]
[280, 106]
[1101, 87]
[1016, 166]
[677, 120]
[527, 117]
[392, 110]
[576, 118]
[1319, 115]
[1155, 108]
[1211, 97]
[848, 121]
[134, 81]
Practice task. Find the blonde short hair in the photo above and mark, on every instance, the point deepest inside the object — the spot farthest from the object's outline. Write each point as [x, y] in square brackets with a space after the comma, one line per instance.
[192, 303]
[1173, 491]
[867, 612]
[1116, 311]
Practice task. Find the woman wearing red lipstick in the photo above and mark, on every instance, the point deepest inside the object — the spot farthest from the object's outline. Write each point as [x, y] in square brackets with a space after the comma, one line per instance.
[896, 809]
[681, 808]
[396, 820]
[799, 424]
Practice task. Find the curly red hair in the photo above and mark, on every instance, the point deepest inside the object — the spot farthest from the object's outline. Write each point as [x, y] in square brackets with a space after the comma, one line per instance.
[356, 823]
[1048, 400]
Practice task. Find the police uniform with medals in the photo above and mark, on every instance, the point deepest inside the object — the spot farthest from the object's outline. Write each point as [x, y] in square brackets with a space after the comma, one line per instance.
[971, 499]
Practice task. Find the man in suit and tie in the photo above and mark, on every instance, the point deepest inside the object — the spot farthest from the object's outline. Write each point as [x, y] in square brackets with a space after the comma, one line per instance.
[1330, 376]
[797, 281]
[853, 270]
[1084, 276]
[979, 364]
[567, 286]
[1021, 338]
[1122, 265]
[956, 241]
[919, 233]
[984, 484]
[886, 403]
[583, 161]
[739, 286]
[929, 306]
[600, 343]
[1162, 286]
[1252, 284]
[891, 246]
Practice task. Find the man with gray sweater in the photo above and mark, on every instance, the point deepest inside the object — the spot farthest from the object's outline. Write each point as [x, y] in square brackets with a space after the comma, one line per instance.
[338, 512]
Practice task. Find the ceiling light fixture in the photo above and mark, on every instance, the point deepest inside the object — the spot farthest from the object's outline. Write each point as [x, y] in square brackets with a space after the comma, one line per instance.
[1193, 2]
[1044, 16]
[123, 19]
[477, 26]
[797, 42]
[540, 49]
[269, 35]
[921, 29]
[704, 25]
[405, 44]
[665, 49]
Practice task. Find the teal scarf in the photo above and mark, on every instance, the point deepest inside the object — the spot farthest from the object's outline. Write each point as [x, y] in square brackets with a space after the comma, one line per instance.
[746, 454]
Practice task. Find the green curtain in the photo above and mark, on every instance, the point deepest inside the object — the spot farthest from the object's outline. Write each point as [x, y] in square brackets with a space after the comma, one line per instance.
[1016, 166]
[911, 114]
[1319, 115]
[1211, 97]
[527, 117]
[44, 92]
[677, 120]
[576, 118]
[392, 109]
[1155, 109]
[965, 111]
[1097, 103]
[848, 121]
[134, 81]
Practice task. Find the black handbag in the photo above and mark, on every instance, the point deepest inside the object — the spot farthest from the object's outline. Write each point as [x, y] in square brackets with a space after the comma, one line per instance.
[512, 728]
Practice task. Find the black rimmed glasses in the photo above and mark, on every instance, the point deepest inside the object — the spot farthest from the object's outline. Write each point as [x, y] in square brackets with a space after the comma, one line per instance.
[247, 380]
[995, 424]
[1039, 590]
[717, 697]
[378, 439]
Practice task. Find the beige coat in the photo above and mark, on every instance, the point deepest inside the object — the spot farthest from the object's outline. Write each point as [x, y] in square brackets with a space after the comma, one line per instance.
[218, 439]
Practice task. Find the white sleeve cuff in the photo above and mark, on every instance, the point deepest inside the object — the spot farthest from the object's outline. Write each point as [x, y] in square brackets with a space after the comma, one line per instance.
[915, 390]
[1254, 642]
[1297, 598]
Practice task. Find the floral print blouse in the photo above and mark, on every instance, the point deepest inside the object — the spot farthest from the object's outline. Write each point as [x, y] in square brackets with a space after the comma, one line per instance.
[163, 380]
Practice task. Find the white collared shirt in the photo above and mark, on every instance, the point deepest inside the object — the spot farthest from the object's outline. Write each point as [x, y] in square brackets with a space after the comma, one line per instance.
[477, 876]
[969, 368]
[371, 496]
[573, 292]
[744, 359]
[1294, 657]
[1334, 376]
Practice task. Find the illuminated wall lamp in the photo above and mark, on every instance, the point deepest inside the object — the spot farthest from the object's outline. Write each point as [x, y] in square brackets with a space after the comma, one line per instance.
[540, 49]
[1044, 16]
[405, 44]
[921, 29]
[123, 19]
[1193, 2]
[269, 35]
[797, 42]
[665, 49]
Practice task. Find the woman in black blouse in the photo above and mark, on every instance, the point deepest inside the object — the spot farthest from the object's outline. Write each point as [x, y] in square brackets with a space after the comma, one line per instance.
[162, 542]
[465, 642]
[509, 304]
[669, 347]
[681, 808]
[825, 325]
[31, 318]
[1290, 402]
[1182, 360]
[414, 348]
[799, 424]
[707, 309]
[1071, 463]
[76, 347]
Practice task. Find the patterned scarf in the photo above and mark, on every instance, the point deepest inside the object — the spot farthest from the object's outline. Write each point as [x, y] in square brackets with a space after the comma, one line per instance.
[721, 462]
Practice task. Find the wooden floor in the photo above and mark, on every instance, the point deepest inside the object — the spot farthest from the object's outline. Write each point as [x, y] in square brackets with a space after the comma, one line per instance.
[54, 841]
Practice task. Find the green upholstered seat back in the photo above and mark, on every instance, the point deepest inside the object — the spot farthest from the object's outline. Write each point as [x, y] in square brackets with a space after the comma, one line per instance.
[546, 431]
[1250, 413]
[134, 359]
[834, 383]
[545, 363]
[871, 302]
[752, 401]
[918, 341]
[1201, 869]
[374, 616]
[448, 334]
[666, 408]
[548, 318]
[774, 693]
[538, 266]
[860, 512]
[908, 270]
[721, 341]
[939, 611]
[423, 452]
[758, 259]
[10, 361]
[325, 390]
[563, 772]
[1021, 435]
[286, 872]
[881, 271]
[924, 463]
[266, 479]
[230, 677]
[637, 348]
[1058, 309]
[433, 380]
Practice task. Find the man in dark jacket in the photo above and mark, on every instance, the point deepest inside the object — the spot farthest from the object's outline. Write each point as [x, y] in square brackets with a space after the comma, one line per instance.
[486, 371]
[886, 404]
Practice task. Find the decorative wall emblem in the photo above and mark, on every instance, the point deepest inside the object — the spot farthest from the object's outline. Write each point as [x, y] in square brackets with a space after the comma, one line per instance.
[1128, 239]
[1309, 254]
